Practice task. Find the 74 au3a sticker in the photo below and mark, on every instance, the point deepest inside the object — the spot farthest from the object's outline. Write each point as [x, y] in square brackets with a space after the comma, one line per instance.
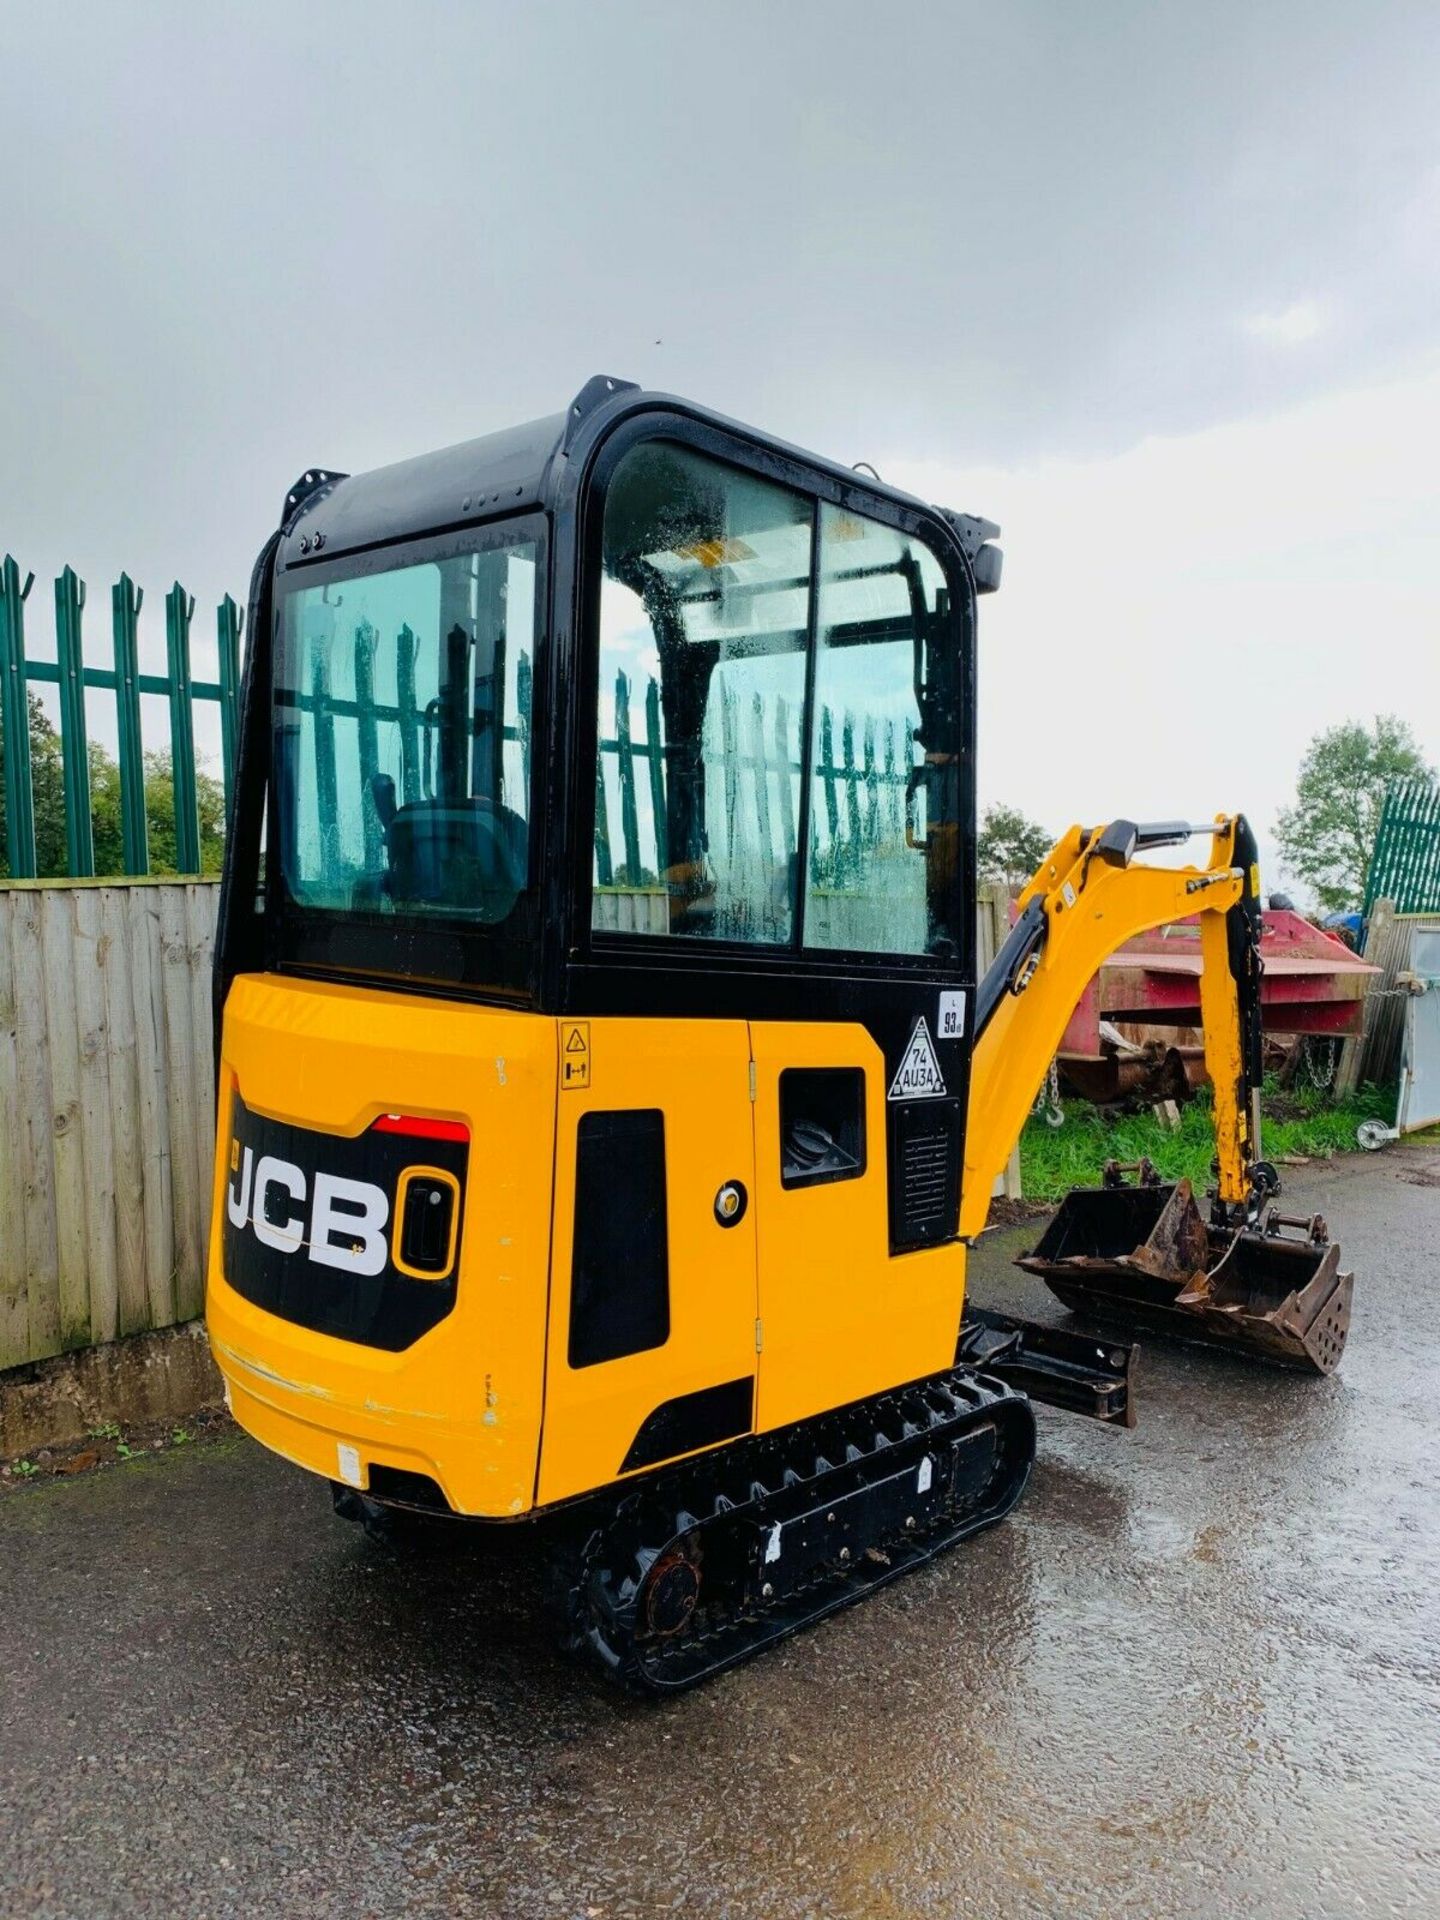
[918, 1077]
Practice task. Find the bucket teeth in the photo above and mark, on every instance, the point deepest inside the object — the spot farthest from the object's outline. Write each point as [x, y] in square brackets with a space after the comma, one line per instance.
[1146, 1256]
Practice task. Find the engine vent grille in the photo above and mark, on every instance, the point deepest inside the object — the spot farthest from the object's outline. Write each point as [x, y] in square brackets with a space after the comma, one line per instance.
[924, 1172]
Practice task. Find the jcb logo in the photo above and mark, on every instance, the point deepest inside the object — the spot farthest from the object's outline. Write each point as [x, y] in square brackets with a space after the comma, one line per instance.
[347, 1218]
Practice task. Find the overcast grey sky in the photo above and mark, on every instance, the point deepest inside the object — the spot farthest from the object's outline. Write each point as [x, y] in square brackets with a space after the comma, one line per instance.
[1156, 286]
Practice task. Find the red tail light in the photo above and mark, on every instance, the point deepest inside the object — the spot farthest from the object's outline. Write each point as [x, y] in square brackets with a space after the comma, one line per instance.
[418, 1129]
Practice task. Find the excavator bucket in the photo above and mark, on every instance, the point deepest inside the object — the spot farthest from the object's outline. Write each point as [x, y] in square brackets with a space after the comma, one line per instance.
[1147, 1256]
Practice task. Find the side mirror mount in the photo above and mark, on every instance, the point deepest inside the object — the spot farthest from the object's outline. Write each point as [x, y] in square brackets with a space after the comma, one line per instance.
[987, 566]
[975, 534]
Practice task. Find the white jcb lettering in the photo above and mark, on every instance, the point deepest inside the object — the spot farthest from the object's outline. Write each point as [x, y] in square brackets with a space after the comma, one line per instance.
[279, 1173]
[237, 1205]
[347, 1225]
[347, 1222]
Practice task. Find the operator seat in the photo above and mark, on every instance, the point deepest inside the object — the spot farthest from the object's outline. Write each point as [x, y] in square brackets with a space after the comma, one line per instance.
[469, 856]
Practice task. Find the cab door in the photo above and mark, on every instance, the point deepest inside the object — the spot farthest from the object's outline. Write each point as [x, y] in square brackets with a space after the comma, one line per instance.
[842, 1315]
[651, 1343]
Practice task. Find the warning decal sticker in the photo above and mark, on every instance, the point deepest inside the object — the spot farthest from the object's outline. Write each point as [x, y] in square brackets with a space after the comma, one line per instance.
[918, 1076]
[575, 1054]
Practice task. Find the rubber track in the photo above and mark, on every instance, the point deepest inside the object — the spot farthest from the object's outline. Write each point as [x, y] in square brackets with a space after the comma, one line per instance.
[766, 1477]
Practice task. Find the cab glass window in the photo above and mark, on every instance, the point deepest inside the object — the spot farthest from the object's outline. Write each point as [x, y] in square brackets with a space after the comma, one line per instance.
[704, 623]
[402, 705]
[772, 771]
[881, 870]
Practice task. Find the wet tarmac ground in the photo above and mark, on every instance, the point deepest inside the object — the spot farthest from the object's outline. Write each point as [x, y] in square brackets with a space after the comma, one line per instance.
[1197, 1673]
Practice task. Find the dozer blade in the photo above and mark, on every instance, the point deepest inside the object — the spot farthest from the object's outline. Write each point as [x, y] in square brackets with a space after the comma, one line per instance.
[1145, 1256]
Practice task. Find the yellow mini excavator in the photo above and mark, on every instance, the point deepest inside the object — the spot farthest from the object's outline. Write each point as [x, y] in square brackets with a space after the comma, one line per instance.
[607, 1097]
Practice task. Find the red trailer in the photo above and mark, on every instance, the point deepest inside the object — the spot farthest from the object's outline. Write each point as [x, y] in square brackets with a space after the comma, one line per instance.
[1136, 1031]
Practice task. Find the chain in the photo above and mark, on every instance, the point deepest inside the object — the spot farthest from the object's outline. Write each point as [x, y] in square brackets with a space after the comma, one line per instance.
[1047, 1101]
[1321, 1055]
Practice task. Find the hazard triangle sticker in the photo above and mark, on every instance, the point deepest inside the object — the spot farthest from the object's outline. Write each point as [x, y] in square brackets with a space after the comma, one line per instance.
[918, 1076]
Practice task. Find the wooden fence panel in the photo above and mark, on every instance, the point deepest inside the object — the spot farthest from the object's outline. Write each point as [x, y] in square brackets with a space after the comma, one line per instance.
[1375, 1055]
[183, 1102]
[14, 1292]
[126, 1110]
[106, 1101]
[200, 905]
[32, 1127]
[67, 1144]
[151, 1059]
[97, 1115]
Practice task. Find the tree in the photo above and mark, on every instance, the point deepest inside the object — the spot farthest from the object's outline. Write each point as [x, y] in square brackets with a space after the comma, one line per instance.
[47, 780]
[105, 828]
[47, 786]
[160, 816]
[1326, 839]
[1010, 847]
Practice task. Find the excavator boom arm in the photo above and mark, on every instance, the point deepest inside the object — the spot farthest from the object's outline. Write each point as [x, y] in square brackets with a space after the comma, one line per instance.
[1088, 898]
[1147, 1255]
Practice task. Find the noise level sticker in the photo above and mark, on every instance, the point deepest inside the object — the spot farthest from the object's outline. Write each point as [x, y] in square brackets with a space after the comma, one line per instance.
[918, 1076]
[575, 1053]
[951, 1023]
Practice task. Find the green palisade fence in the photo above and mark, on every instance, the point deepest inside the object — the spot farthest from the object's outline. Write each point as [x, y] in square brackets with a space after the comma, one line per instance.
[15, 722]
[861, 770]
[69, 673]
[1405, 867]
[750, 787]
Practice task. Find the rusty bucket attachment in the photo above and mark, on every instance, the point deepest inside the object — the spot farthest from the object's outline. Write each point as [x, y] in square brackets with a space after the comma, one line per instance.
[1146, 1256]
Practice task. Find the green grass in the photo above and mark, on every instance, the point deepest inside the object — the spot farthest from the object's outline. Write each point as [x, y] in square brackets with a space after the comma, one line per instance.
[1054, 1159]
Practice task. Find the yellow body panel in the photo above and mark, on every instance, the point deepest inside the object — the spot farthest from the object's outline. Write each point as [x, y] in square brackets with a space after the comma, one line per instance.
[463, 1404]
[487, 1403]
[697, 1072]
[841, 1319]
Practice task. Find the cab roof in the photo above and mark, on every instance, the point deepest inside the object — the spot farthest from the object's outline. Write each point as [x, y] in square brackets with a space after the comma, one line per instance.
[328, 513]
[500, 472]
